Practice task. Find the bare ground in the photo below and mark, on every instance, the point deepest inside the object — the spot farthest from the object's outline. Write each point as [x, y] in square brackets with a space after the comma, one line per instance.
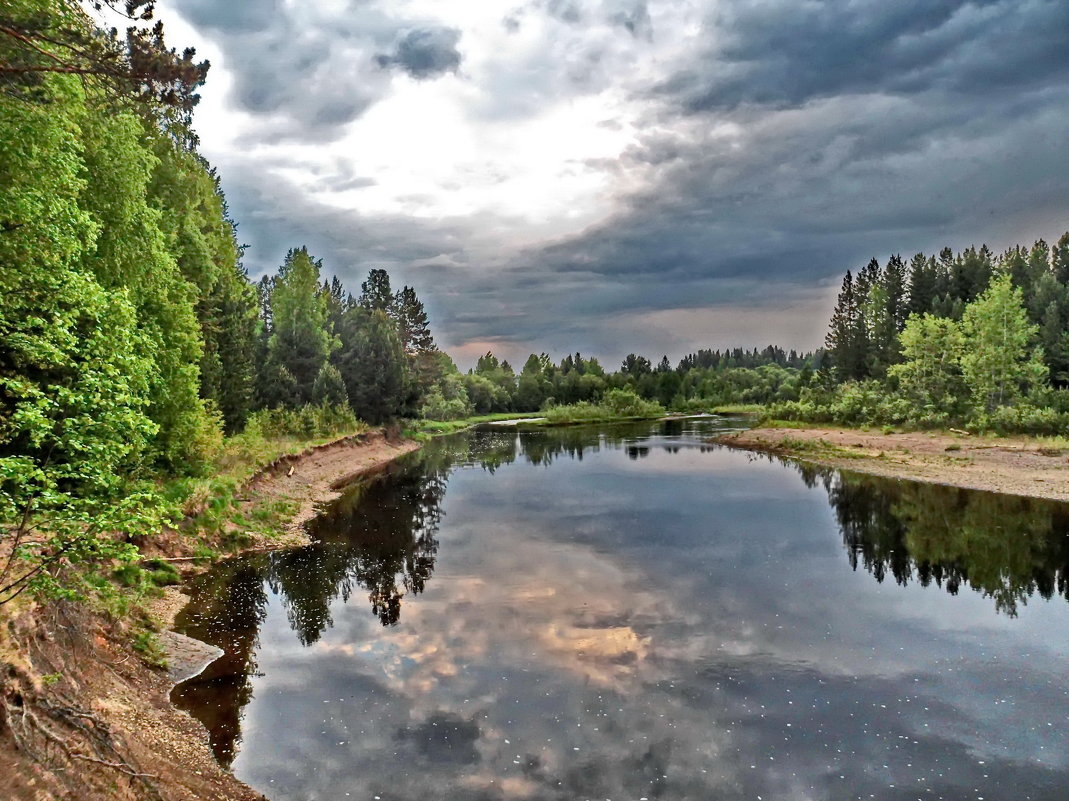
[83, 717]
[1015, 465]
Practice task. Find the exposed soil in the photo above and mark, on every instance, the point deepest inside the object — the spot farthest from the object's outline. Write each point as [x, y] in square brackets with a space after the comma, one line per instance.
[1015, 465]
[82, 716]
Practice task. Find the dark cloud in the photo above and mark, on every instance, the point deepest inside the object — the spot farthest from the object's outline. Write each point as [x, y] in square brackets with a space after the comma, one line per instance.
[308, 76]
[785, 54]
[425, 53]
[235, 17]
[635, 20]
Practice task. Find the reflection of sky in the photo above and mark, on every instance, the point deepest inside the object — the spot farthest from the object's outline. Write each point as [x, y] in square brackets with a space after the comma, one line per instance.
[682, 625]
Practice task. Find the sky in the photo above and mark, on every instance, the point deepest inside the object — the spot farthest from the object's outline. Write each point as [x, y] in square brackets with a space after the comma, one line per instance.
[612, 176]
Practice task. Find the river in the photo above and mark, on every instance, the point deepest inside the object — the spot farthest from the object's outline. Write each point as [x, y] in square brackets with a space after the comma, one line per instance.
[625, 612]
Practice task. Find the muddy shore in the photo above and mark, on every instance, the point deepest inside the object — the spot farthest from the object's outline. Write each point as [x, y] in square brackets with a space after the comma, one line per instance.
[81, 714]
[1015, 465]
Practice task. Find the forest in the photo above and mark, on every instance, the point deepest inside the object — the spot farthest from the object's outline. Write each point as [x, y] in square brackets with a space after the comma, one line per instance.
[134, 342]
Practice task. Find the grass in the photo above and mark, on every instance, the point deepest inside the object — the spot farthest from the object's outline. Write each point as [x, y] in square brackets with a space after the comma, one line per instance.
[820, 448]
[787, 424]
[738, 408]
[211, 505]
[422, 430]
[147, 644]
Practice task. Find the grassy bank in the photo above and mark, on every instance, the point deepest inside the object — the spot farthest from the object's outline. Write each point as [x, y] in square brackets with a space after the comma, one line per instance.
[422, 430]
[738, 408]
[618, 406]
[209, 510]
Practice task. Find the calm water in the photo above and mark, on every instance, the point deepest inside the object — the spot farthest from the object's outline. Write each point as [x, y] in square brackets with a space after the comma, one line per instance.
[626, 613]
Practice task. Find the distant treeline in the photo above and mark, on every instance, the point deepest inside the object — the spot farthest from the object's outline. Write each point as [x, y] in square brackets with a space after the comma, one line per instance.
[968, 338]
[700, 380]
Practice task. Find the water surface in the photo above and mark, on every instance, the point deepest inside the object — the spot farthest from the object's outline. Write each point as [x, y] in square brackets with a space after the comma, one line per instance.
[626, 612]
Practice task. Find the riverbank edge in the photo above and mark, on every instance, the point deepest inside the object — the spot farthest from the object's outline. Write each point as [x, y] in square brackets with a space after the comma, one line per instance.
[306, 479]
[1022, 465]
[430, 429]
[66, 661]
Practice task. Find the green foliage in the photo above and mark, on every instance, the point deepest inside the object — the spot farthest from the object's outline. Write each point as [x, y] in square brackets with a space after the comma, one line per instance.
[301, 342]
[999, 363]
[987, 372]
[447, 400]
[372, 364]
[930, 376]
[130, 253]
[193, 218]
[485, 395]
[147, 643]
[616, 404]
[329, 388]
[308, 422]
[74, 370]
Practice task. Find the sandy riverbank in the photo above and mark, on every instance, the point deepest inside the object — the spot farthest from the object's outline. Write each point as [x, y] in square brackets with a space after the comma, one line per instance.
[82, 716]
[1017, 465]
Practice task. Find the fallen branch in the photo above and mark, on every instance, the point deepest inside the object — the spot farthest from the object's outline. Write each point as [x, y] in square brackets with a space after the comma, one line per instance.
[119, 767]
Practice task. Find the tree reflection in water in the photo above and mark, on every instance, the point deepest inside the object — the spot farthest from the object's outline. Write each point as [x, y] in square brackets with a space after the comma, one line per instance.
[1006, 547]
[380, 538]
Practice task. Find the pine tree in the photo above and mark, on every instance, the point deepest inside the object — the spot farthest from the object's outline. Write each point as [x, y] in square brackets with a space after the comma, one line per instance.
[375, 293]
[412, 323]
[1059, 260]
[846, 339]
[636, 366]
[371, 362]
[922, 284]
[329, 387]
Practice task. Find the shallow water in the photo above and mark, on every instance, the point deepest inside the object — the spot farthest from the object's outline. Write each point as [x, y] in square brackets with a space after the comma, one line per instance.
[624, 612]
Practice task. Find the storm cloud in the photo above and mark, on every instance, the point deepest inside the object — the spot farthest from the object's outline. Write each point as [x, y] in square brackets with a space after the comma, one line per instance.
[425, 53]
[627, 175]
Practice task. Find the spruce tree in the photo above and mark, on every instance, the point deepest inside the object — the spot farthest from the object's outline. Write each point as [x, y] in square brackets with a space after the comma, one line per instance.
[1059, 260]
[375, 293]
[846, 338]
[922, 284]
[412, 323]
[371, 362]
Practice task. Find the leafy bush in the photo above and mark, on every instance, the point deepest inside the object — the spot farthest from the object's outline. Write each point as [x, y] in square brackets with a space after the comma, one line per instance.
[437, 407]
[616, 403]
[1024, 419]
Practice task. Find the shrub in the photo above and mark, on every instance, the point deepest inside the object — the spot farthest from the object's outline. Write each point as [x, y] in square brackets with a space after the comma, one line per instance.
[437, 407]
[306, 422]
[614, 404]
